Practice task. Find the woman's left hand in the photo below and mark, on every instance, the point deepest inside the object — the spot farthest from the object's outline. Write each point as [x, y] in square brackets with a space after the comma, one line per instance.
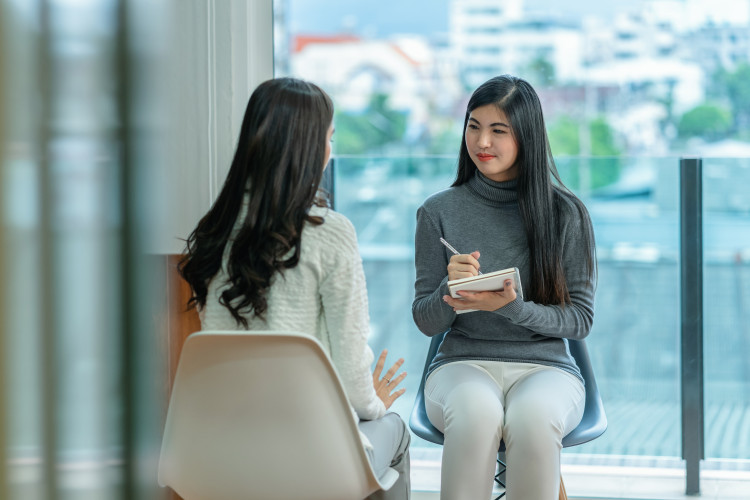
[387, 384]
[483, 301]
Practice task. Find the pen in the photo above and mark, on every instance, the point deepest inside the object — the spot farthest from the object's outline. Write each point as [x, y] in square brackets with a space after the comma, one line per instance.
[455, 252]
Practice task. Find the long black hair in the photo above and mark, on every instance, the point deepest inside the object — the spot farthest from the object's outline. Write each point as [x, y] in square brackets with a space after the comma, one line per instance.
[276, 171]
[542, 196]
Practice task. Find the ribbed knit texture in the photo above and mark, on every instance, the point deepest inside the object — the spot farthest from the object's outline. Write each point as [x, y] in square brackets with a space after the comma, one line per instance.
[484, 215]
[323, 296]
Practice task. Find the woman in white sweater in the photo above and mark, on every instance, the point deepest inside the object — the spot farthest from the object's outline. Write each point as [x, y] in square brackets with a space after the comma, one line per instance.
[270, 255]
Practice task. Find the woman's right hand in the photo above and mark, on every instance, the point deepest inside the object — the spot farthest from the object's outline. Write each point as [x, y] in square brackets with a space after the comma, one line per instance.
[463, 266]
[384, 386]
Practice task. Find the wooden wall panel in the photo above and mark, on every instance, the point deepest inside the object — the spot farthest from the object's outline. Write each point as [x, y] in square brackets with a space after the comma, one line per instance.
[180, 322]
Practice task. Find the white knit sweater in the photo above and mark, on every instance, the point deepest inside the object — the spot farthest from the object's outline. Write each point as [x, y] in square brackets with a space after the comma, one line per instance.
[324, 296]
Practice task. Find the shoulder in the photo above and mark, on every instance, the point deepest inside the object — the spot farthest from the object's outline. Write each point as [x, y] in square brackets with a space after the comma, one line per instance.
[336, 231]
[570, 208]
[332, 220]
[439, 200]
[574, 222]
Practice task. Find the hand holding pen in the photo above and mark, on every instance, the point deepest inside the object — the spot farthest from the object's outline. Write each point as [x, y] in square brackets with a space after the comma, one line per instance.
[461, 265]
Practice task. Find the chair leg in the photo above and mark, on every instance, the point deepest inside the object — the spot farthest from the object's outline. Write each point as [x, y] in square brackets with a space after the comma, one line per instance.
[499, 480]
[499, 476]
[563, 493]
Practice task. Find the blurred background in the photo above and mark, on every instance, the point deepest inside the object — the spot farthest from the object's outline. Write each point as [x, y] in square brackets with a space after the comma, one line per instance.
[118, 119]
[628, 88]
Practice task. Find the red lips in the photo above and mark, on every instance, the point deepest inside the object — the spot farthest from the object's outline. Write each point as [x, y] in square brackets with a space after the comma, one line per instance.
[484, 157]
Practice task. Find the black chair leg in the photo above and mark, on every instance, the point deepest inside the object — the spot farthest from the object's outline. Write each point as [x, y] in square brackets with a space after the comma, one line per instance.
[499, 476]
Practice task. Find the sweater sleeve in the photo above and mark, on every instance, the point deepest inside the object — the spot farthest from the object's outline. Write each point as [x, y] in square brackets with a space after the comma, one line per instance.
[431, 314]
[344, 297]
[573, 320]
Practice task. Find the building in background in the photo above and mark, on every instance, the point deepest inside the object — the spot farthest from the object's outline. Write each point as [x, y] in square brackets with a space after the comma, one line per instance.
[353, 69]
[475, 27]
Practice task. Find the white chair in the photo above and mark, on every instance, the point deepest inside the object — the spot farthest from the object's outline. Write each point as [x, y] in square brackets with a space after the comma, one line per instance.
[262, 415]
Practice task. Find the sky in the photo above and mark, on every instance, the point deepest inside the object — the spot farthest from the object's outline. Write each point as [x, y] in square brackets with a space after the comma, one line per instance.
[387, 17]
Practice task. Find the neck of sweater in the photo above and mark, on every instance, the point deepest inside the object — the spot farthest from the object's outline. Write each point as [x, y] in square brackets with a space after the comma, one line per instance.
[492, 192]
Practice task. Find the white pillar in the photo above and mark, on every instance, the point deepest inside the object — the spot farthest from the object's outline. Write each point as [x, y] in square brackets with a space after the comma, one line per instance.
[220, 50]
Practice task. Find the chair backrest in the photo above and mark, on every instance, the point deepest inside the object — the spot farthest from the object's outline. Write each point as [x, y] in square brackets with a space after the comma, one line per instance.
[261, 415]
[592, 425]
[418, 422]
[594, 420]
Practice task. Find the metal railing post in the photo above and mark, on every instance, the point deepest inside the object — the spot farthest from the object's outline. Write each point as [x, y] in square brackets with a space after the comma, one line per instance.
[50, 329]
[327, 182]
[691, 314]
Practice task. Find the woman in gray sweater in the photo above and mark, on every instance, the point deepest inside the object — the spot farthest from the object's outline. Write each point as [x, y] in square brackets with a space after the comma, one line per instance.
[505, 371]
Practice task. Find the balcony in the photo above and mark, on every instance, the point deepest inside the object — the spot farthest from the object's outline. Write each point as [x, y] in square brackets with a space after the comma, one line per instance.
[635, 341]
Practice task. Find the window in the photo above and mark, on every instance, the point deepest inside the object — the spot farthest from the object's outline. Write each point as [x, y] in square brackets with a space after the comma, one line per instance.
[71, 323]
[618, 126]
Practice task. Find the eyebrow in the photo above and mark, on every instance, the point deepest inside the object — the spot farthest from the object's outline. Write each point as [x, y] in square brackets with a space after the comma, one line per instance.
[496, 124]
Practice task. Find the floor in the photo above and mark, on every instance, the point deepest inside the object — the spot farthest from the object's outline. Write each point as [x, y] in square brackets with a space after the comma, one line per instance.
[660, 480]
[585, 479]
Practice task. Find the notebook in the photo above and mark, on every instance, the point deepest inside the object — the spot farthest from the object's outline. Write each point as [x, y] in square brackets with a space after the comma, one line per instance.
[494, 281]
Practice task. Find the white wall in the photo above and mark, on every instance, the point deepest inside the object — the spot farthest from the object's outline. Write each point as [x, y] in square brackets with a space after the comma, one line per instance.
[220, 50]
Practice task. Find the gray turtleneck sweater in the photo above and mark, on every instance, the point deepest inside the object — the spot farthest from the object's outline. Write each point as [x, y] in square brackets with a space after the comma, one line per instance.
[484, 215]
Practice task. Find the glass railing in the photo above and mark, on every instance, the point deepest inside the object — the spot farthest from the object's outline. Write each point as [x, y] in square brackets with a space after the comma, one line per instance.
[635, 341]
[726, 307]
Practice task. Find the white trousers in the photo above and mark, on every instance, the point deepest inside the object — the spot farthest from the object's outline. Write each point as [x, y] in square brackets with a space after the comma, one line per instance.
[390, 441]
[530, 407]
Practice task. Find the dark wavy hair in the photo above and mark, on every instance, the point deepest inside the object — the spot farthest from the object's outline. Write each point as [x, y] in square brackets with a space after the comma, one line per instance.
[277, 169]
[542, 196]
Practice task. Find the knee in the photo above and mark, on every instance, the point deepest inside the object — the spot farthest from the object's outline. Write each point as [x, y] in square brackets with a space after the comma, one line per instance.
[474, 419]
[534, 430]
[399, 430]
[405, 436]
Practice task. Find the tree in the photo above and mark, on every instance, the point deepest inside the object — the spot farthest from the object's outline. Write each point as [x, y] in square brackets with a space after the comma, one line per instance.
[602, 138]
[709, 121]
[446, 136]
[563, 137]
[565, 140]
[370, 131]
[541, 72]
[738, 90]
[734, 86]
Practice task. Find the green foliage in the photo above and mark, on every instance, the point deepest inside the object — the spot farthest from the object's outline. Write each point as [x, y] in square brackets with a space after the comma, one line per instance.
[734, 86]
[564, 136]
[541, 72]
[446, 138]
[371, 131]
[738, 87]
[706, 120]
[602, 138]
[593, 173]
[605, 171]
